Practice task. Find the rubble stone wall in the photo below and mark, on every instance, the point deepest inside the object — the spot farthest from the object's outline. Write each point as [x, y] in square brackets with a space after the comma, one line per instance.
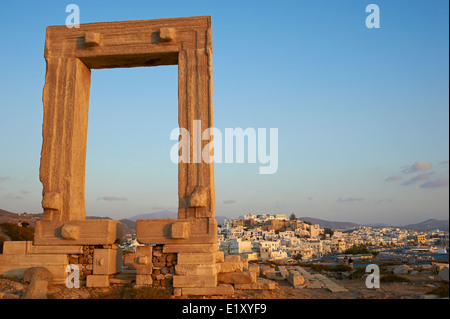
[163, 267]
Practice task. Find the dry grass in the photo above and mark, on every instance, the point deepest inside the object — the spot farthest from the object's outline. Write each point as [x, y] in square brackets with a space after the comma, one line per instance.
[128, 292]
[393, 278]
[441, 291]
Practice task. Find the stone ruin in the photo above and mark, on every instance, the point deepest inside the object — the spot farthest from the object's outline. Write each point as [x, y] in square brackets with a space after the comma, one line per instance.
[178, 253]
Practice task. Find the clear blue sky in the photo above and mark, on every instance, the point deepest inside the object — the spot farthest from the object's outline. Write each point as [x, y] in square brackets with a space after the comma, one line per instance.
[355, 109]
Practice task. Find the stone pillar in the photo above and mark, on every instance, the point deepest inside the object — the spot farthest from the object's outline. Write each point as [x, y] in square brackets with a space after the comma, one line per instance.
[64, 130]
[195, 113]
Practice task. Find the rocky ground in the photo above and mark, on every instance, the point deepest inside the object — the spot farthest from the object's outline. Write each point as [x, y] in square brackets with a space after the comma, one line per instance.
[420, 286]
[416, 289]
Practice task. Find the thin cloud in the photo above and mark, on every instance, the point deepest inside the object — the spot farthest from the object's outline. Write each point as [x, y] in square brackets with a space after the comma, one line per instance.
[113, 198]
[4, 178]
[381, 201]
[417, 179]
[229, 202]
[350, 200]
[444, 163]
[11, 195]
[443, 182]
[392, 179]
[419, 166]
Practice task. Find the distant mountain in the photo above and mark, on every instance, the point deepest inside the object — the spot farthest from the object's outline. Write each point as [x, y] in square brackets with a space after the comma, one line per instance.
[162, 214]
[5, 216]
[129, 227]
[96, 217]
[429, 224]
[327, 223]
[377, 225]
[13, 218]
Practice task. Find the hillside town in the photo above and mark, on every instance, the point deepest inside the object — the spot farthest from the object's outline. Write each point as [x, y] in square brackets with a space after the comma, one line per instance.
[282, 238]
[277, 237]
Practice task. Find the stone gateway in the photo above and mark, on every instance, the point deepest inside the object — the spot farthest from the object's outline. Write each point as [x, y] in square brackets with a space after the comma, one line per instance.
[182, 253]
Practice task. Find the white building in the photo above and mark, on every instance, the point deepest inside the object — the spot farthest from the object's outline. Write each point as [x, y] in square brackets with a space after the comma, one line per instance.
[266, 253]
[239, 246]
